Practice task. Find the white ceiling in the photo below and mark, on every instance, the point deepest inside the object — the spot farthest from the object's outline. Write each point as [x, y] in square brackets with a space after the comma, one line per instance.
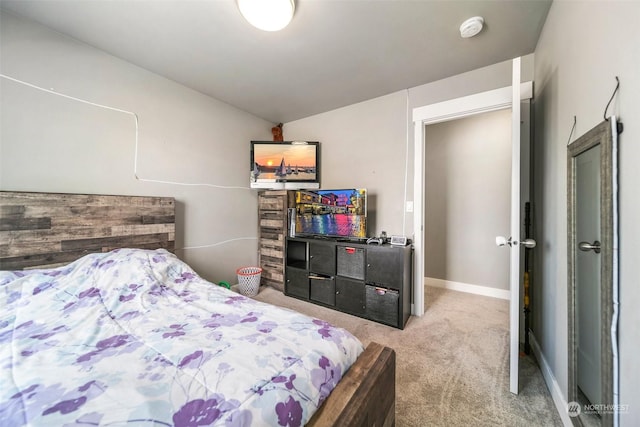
[334, 52]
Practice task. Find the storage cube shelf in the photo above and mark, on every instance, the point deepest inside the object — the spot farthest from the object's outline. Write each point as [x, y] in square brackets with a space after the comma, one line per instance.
[369, 281]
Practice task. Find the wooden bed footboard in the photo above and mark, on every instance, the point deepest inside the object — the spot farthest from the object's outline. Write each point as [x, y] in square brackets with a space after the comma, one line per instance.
[366, 395]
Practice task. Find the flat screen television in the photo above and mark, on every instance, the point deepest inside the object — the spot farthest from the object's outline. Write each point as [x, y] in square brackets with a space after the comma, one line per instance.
[287, 165]
[332, 213]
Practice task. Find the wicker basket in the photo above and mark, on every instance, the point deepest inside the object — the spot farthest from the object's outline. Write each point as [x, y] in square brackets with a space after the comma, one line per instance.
[249, 280]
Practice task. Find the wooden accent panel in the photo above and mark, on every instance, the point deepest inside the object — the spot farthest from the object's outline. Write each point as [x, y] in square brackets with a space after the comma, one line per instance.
[43, 229]
[272, 224]
[366, 395]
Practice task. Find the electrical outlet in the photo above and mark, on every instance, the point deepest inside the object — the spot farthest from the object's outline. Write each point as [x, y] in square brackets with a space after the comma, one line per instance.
[410, 206]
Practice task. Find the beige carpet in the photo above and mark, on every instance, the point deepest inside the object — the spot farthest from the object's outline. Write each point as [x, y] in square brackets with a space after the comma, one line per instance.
[452, 364]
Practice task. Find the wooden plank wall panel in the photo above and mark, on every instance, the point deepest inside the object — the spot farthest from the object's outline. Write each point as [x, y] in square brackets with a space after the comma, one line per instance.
[44, 229]
[272, 224]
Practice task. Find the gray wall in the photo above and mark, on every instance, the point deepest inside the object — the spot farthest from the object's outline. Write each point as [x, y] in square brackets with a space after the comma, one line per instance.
[481, 80]
[47, 144]
[364, 145]
[467, 199]
[55, 144]
[187, 137]
[575, 69]
[371, 143]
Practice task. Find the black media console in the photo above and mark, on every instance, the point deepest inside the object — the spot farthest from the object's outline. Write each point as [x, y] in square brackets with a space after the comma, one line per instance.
[369, 281]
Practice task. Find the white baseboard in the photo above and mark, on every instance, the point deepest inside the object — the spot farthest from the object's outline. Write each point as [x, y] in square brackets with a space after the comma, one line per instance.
[466, 287]
[556, 394]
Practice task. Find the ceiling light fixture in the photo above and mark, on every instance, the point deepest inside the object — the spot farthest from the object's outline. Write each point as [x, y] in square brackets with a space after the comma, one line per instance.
[267, 15]
[471, 27]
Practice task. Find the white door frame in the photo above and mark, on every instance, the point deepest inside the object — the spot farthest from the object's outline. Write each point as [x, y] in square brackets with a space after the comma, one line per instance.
[458, 108]
[508, 97]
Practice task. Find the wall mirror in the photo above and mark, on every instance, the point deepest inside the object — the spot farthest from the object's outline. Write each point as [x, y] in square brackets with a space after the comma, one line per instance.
[592, 276]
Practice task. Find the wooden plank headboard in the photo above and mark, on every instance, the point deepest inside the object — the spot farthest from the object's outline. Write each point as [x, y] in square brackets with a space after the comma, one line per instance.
[45, 229]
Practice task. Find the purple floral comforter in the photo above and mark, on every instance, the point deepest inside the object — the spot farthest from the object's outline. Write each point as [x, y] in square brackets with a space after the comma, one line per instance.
[137, 337]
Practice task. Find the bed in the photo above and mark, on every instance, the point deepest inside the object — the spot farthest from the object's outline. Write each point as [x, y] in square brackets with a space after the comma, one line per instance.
[133, 335]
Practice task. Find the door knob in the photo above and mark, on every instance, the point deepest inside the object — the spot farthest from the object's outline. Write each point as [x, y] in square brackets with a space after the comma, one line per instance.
[503, 241]
[586, 246]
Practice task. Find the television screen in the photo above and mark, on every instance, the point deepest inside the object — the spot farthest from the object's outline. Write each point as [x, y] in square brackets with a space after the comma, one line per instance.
[285, 165]
[332, 213]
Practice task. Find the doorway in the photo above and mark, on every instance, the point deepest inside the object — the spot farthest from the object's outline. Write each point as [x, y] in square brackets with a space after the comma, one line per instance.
[497, 99]
[467, 202]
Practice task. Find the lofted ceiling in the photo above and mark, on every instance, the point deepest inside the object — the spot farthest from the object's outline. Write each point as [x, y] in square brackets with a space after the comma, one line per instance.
[334, 52]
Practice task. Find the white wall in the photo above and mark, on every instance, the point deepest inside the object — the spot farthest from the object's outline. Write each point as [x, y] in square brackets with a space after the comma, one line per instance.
[583, 46]
[55, 144]
[467, 199]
